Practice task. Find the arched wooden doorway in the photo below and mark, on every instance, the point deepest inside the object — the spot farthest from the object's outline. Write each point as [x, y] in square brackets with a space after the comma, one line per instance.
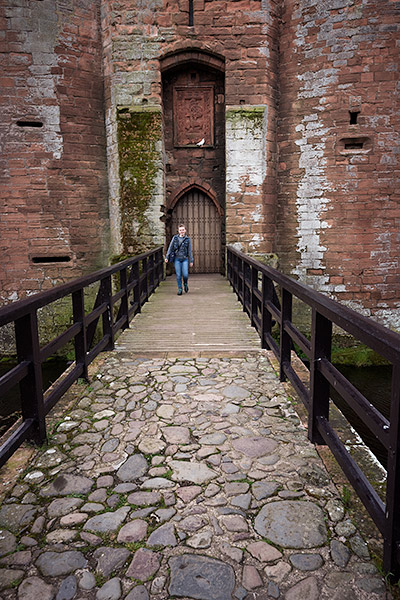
[201, 218]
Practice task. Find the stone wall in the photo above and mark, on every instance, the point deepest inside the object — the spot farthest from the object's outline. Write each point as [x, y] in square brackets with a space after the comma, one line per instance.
[136, 35]
[54, 223]
[338, 217]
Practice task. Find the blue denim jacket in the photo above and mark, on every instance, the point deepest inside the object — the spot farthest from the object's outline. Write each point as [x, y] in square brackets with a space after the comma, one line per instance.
[180, 250]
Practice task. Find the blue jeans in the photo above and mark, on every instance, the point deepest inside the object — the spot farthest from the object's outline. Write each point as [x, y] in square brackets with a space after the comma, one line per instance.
[182, 271]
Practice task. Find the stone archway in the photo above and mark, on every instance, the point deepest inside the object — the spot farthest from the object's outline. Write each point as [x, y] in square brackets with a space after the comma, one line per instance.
[194, 138]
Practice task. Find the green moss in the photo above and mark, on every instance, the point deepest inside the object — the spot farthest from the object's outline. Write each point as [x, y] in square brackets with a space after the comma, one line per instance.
[250, 117]
[139, 132]
[358, 356]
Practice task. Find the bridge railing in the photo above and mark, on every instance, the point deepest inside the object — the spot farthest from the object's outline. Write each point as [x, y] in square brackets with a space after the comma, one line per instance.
[253, 283]
[135, 280]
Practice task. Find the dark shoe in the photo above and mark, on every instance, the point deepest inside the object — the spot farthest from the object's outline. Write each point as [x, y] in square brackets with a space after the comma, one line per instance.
[186, 288]
[179, 292]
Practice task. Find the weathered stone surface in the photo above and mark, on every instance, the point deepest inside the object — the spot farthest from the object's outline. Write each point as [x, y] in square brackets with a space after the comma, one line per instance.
[201, 578]
[151, 445]
[67, 589]
[17, 516]
[54, 564]
[234, 523]
[212, 439]
[200, 540]
[66, 484]
[144, 565]
[106, 522]
[292, 524]
[163, 536]
[340, 553]
[306, 562]
[135, 466]
[254, 447]
[133, 532]
[358, 546]
[111, 590]
[34, 588]
[307, 589]
[235, 392]
[9, 577]
[138, 593]
[264, 489]
[8, 542]
[176, 435]
[264, 552]
[63, 506]
[87, 581]
[251, 578]
[144, 498]
[110, 559]
[188, 493]
[191, 471]
[157, 483]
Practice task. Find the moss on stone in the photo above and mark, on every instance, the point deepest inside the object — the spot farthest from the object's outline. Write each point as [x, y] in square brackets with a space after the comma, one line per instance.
[139, 132]
[252, 117]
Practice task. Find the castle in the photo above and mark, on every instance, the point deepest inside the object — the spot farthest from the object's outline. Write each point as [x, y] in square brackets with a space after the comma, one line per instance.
[270, 125]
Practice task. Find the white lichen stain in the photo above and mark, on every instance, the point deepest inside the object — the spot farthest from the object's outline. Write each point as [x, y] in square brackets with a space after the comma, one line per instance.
[312, 201]
[257, 214]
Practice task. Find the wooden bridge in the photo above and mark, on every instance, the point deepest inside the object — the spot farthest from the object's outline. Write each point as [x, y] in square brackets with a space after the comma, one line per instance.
[208, 321]
[200, 386]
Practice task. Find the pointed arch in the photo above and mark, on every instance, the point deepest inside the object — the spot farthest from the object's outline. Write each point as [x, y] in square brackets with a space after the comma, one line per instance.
[195, 55]
[194, 185]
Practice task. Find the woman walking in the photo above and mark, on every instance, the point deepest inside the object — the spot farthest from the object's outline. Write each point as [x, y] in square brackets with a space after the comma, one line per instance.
[180, 252]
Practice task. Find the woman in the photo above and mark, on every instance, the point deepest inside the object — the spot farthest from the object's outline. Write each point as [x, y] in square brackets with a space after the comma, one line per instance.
[179, 252]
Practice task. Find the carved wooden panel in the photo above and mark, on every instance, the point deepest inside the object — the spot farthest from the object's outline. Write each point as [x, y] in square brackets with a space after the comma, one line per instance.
[193, 116]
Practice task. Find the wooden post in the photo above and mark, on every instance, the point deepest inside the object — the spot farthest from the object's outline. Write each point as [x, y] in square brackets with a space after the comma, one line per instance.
[286, 342]
[254, 299]
[137, 291]
[391, 551]
[108, 314]
[321, 343]
[78, 310]
[31, 386]
[266, 319]
[145, 285]
[125, 298]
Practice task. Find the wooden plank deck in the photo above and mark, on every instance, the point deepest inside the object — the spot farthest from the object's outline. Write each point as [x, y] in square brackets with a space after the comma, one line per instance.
[208, 321]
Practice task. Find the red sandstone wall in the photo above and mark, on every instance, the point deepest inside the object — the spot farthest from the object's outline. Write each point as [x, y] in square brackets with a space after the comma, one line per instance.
[244, 32]
[339, 213]
[53, 186]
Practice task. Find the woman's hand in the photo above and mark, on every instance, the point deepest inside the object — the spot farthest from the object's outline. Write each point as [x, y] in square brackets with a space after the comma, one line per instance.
[191, 264]
[166, 260]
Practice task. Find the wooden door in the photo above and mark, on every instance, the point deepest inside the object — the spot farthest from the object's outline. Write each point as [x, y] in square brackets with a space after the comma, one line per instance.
[200, 216]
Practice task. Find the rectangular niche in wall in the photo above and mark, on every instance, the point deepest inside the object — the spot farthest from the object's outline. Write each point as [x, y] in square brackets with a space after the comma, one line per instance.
[355, 145]
[193, 116]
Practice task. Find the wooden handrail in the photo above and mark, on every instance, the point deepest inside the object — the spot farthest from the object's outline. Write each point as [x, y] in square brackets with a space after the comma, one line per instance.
[133, 292]
[263, 310]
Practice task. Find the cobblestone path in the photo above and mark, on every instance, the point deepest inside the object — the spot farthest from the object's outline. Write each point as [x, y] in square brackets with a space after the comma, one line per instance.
[181, 478]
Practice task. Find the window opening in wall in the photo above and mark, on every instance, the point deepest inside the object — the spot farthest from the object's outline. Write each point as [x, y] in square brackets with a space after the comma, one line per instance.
[50, 259]
[354, 116]
[29, 123]
[352, 145]
[191, 16]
